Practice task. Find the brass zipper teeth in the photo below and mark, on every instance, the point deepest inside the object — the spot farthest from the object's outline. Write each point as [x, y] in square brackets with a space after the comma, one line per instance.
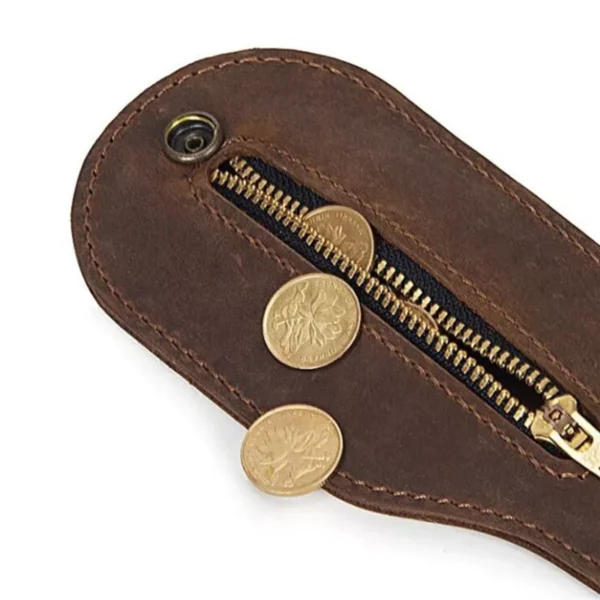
[408, 308]
[457, 329]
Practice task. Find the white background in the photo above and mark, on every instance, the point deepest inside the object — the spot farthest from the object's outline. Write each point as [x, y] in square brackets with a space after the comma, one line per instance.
[119, 480]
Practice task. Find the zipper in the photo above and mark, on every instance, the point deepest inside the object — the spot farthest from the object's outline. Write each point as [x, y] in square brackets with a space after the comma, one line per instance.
[412, 301]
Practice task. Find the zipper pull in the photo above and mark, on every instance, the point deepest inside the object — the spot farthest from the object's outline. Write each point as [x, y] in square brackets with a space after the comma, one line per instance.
[560, 423]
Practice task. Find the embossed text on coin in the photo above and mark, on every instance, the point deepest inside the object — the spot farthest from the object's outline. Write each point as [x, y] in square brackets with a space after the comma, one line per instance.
[291, 450]
[311, 321]
[347, 230]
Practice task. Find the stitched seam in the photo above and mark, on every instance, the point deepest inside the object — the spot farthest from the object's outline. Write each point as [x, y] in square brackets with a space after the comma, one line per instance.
[236, 392]
[313, 171]
[391, 347]
[161, 332]
[436, 138]
[467, 506]
[94, 260]
[390, 105]
[284, 264]
[506, 438]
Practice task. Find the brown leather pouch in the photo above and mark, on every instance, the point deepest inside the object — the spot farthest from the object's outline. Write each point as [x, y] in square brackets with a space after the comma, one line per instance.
[469, 426]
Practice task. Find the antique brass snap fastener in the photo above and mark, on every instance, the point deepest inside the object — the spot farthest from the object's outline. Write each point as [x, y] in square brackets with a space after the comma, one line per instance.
[192, 137]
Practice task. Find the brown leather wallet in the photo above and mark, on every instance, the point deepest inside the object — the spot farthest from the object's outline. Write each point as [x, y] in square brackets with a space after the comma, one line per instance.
[487, 417]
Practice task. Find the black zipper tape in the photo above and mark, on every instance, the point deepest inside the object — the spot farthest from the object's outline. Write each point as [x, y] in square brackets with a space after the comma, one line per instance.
[397, 258]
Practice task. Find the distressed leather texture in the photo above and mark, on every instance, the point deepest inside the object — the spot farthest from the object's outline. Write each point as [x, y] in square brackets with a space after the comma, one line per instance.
[189, 275]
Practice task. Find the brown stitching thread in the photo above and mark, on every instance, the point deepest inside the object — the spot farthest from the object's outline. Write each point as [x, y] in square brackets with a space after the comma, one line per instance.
[393, 349]
[390, 106]
[160, 331]
[232, 226]
[467, 506]
[425, 247]
[433, 136]
[143, 318]
[442, 386]
[427, 132]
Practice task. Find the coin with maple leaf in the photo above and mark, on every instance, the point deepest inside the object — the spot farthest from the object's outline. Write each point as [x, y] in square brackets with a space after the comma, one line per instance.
[291, 450]
[347, 230]
[311, 321]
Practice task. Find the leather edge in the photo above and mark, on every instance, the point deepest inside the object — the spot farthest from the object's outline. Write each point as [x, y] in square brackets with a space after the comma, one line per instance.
[101, 291]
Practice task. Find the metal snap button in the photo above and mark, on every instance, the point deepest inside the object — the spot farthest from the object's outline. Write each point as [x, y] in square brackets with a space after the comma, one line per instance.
[192, 137]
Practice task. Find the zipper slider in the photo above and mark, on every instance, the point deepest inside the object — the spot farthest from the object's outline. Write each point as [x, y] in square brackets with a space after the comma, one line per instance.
[560, 423]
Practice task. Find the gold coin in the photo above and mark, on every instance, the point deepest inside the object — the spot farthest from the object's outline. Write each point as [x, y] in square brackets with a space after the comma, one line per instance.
[291, 450]
[311, 321]
[347, 230]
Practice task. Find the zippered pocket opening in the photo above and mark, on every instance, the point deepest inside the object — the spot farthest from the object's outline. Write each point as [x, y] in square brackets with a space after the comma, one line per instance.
[414, 303]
